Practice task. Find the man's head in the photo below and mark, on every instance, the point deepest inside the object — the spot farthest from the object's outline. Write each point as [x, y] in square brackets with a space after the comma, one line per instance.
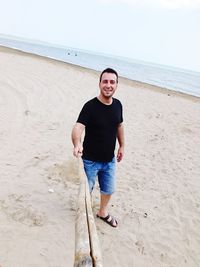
[109, 70]
[108, 83]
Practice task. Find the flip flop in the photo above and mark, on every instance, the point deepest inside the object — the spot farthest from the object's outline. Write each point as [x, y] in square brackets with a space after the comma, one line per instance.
[109, 220]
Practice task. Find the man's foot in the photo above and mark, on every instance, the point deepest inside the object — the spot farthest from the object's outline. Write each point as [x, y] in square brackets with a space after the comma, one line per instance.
[109, 219]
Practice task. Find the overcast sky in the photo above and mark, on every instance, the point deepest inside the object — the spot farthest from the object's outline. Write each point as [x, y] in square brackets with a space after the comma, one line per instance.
[160, 31]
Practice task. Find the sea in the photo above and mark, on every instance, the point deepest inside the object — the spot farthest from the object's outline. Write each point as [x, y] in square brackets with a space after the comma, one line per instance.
[176, 79]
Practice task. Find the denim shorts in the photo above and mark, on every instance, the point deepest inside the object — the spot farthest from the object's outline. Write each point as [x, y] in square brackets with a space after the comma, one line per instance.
[105, 171]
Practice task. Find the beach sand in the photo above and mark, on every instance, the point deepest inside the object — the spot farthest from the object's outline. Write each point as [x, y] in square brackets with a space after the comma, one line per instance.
[157, 201]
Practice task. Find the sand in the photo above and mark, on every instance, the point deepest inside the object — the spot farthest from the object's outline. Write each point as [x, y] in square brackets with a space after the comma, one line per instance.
[157, 201]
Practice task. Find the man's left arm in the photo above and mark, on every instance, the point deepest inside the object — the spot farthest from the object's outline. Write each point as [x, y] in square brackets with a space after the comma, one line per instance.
[120, 138]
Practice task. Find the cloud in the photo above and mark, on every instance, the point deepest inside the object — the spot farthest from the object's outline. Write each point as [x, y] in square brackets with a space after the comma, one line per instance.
[166, 4]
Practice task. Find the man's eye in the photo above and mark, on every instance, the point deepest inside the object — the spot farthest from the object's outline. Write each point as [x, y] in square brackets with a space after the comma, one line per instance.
[112, 82]
[105, 81]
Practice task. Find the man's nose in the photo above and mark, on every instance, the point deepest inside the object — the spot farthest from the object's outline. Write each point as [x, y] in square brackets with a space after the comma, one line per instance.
[108, 84]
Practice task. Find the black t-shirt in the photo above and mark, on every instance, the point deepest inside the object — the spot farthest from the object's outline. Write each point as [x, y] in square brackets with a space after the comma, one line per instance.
[101, 122]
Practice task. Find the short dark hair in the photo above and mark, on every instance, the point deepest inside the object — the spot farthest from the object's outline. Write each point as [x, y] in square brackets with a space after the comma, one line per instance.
[108, 70]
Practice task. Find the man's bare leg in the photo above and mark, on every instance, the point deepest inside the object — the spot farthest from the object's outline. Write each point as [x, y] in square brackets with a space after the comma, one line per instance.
[103, 206]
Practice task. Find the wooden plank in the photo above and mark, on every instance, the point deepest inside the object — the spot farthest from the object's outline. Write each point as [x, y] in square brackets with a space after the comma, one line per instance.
[87, 249]
[94, 240]
[82, 242]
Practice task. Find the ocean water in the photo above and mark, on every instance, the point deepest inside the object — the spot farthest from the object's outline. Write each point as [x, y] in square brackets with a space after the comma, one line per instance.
[176, 79]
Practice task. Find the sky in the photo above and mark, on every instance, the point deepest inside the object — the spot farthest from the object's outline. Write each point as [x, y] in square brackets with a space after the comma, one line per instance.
[166, 32]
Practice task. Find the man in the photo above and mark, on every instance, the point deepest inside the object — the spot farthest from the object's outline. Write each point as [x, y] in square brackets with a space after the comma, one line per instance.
[101, 118]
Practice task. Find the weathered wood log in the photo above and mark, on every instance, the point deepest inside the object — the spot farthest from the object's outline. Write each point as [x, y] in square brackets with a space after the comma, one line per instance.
[94, 241]
[82, 242]
[87, 250]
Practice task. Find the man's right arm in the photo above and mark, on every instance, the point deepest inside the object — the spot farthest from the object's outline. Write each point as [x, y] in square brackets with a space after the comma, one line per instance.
[76, 138]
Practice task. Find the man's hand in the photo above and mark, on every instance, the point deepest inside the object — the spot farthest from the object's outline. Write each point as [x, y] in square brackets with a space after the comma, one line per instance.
[78, 151]
[120, 137]
[76, 139]
[120, 154]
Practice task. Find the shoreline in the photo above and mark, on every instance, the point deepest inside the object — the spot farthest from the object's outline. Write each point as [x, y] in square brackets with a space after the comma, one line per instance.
[87, 68]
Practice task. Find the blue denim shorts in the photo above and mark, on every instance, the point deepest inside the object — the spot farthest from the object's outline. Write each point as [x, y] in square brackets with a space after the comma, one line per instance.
[105, 171]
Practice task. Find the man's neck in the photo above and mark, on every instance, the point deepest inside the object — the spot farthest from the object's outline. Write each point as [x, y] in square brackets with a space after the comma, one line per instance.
[104, 100]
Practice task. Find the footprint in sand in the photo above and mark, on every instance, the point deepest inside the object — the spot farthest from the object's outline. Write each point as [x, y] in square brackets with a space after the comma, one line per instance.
[65, 172]
[16, 209]
[140, 246]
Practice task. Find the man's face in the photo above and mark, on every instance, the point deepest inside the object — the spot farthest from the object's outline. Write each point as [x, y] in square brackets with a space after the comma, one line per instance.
[108, 84]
